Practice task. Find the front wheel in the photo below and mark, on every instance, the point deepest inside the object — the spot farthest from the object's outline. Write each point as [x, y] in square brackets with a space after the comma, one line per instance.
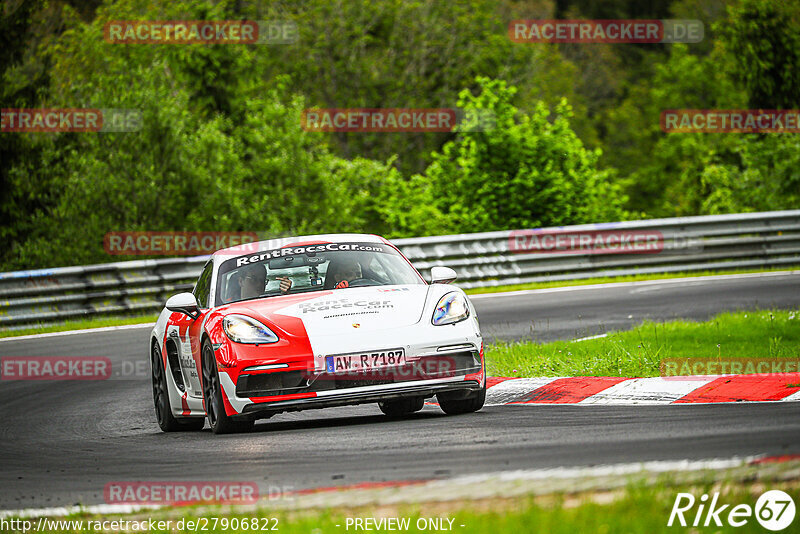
[220, 422]
[166, 421]
[396, 408]
[454, 403]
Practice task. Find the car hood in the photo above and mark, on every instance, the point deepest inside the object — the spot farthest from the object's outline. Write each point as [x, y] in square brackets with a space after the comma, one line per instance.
[339, 311]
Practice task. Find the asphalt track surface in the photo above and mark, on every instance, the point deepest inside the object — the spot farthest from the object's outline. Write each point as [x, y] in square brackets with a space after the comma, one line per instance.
[62, 442]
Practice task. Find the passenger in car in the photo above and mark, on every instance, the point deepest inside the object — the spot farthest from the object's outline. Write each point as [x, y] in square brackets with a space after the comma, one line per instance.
[342, 273]
[252, 281]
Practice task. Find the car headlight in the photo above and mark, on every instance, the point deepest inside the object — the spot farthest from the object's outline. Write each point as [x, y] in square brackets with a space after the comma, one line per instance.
[244, 329]
[452, 308]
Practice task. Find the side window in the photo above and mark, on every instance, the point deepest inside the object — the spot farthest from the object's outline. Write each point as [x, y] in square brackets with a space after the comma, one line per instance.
[203, 287]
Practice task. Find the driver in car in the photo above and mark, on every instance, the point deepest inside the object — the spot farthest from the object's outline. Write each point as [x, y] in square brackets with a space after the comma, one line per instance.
[348, 270]
[253, 279]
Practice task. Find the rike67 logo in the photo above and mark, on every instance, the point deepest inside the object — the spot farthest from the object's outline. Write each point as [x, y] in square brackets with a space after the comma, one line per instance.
[774, 510]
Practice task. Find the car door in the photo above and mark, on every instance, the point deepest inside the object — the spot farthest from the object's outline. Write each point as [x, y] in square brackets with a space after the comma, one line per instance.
[189, 331]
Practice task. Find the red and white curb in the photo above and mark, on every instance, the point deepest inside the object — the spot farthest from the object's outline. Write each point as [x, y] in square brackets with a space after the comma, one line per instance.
[584, 390]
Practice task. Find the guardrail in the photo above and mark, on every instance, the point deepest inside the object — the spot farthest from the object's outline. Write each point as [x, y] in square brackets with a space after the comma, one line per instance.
[750, 240]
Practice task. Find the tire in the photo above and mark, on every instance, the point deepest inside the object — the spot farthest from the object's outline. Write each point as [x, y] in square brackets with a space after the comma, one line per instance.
[396, 408]
[455, 403]
[218, 420]
[166, 421]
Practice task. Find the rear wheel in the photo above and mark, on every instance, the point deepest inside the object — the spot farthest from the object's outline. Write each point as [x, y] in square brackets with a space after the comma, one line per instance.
[395, 408]
[220, 422]
[166, 421]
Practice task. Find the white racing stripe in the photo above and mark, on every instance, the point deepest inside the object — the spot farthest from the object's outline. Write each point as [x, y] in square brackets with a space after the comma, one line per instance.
[793, 397]
[654, 390]
[513, 389]
[84, 331]
[660, 466]
[598, 336]
[629, 392]
[60, 511]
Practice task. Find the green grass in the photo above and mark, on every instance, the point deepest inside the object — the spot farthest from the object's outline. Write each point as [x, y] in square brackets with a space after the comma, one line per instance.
[81, 324]
[617, 279]
[636, 509]
[638, 352]
[640, 510]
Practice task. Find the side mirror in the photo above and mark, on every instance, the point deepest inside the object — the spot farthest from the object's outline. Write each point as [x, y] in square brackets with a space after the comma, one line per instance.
[442, 275]
[184, 303]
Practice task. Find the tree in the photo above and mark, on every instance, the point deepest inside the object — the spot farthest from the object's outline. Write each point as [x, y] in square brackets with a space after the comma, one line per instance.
[395, 53]
[236, 160]
[526, 172]
[764, 38]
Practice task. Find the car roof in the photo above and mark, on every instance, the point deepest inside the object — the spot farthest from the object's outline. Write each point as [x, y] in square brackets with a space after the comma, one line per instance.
[270, 244]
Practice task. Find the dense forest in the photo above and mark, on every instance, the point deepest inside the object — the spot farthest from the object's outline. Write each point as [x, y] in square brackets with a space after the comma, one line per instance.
[221, 147]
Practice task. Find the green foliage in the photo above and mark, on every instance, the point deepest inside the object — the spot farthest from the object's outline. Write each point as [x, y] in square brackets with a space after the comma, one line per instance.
[192, 166]
[764, 37]
[395, 53]
[184, 173]
[221, 148]
[525, 172]
[18, 154]
[764, 175]
[653, 161]
[700, 173]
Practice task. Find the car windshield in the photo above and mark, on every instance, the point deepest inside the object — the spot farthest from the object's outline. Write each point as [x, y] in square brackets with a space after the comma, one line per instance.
[312, 268]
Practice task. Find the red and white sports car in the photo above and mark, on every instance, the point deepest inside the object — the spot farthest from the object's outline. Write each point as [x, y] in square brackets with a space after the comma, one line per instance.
[312, 322]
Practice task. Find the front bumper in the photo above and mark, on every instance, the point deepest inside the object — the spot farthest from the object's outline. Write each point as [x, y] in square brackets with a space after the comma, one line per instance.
[285, 382]
[361, 395]
[257, 386]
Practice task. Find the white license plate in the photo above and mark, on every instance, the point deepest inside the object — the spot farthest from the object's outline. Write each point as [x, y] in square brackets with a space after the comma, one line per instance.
[365, 361]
